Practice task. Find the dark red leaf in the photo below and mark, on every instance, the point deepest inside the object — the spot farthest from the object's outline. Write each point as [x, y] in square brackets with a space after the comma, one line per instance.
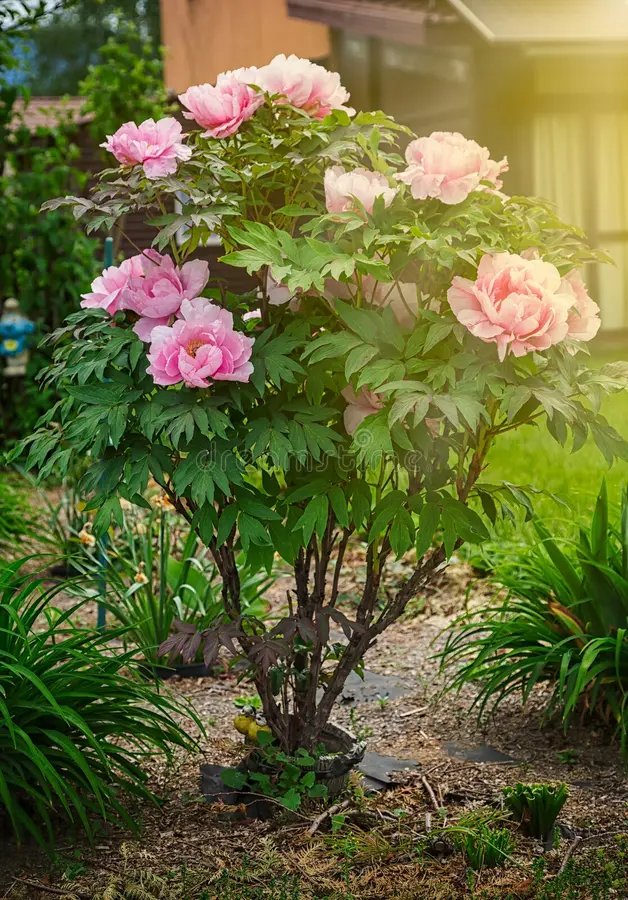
[306, 629]
[266, 654]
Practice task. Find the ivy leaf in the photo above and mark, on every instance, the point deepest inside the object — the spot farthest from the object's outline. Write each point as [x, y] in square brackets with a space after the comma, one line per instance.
[234, 779]
[291, 799]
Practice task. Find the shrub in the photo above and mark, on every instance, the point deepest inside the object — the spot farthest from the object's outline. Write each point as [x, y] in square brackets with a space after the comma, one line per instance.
[76, 722]
[358, 392]
[536, 806]
[563, 622]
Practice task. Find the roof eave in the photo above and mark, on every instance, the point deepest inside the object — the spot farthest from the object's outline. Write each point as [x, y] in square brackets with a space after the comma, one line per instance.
[372, 18]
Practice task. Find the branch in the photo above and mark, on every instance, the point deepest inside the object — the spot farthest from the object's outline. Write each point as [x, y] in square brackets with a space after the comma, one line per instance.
[342, 547]
[570, 852]
[327, 814]
[51, 890]
[430, 793]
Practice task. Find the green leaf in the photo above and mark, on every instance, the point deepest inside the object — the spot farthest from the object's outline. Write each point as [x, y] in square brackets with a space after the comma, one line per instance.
[314, 518]
[372, 440]
[382, 370]
[429, 518]
[116, 421]
[362, 322]
[234, 779]
[384, 513]
[98, 394]
[226, 522]
[252, 531]
[401, 533]
[466, 522]
[361, 500]
[404, 404]
[291, 799]
[283, 542]
[339, 505]
[437, 333]
[358, 358]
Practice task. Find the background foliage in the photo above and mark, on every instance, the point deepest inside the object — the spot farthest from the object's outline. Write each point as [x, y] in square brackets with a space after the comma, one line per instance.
[126, 83]
[56, 56]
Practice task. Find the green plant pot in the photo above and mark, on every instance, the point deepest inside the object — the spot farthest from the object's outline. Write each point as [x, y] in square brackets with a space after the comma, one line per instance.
[332, 769]
[182, 670]
[345, 753]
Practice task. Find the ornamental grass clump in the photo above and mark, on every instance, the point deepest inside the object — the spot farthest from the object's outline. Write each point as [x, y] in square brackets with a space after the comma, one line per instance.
[76, 722]
[536, 806]
[486, 847]
[563, 622]
[403, 314]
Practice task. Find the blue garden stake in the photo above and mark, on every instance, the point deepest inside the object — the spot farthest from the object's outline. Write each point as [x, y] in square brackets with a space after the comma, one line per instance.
[102, 581]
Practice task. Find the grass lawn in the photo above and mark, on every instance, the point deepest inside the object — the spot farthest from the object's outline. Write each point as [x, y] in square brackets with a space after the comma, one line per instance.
[532, 456]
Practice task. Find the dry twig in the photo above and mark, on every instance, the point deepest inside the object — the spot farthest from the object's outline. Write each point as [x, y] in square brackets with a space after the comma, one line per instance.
[327, 814]
[413, 712]
[51, 890]
[571, 849]
[430, 792]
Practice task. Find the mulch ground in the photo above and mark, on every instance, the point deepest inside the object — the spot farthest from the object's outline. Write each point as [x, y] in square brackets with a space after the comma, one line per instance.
[374, 855]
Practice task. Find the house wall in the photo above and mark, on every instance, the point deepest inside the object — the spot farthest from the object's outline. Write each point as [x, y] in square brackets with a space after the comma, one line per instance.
[205, 37]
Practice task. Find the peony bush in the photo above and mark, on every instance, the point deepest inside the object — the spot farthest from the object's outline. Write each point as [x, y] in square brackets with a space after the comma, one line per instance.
[404, 314]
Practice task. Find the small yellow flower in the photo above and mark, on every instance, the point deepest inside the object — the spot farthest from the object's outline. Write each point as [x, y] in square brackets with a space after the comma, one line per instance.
[162, 502]
[10, 345]
[86, 537]
[141, 577]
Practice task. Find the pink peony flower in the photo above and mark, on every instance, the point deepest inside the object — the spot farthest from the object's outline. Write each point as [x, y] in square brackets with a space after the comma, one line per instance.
[519, 304]
[493, 172]
[108, 288]
[161, 289]
[583, 320]
[279, 293]
[364, 404]
[200, 347]
[156, 145]
[448, 166]
[342, 189]
[305, 85]
[221, 109]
